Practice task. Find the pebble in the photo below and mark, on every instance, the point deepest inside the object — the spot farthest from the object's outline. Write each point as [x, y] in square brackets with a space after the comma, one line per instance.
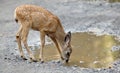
[12, 53]
[28, 62]
[75, 66]
[109, 67]
[37, 65]
[9, 59]
[115, 48]
[81, 61]
[100, 4]
[95, 62]
[57, 61]
[16, 49]
[5, 58]
[53, 61]
[15, 41]
[115, 64]
[5, 55]
[104, 69]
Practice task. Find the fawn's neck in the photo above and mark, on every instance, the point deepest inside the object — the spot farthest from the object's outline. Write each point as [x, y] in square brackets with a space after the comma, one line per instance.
[60, 36]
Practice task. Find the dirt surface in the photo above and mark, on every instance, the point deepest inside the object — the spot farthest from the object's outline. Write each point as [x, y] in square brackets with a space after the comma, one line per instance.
[77, 16]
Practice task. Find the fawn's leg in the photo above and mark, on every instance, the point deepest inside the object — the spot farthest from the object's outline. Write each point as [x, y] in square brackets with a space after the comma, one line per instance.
[42, 38]
[18, 38]
[58, 48]
[25, 32]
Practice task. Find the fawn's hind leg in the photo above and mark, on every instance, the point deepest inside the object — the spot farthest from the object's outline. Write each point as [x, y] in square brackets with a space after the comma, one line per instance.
[18, 38]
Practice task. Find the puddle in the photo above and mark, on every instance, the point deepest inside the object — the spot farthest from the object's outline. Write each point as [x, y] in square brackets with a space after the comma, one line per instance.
[111, 1]
[89, 51]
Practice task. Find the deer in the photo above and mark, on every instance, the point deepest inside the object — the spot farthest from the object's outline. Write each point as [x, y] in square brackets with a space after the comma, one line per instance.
[40, 19]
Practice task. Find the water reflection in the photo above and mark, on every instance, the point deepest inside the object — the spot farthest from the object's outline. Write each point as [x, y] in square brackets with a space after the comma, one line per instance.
[88, 50]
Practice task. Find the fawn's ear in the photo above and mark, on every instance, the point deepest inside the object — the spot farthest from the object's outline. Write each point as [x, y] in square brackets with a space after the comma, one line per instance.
[67, 39]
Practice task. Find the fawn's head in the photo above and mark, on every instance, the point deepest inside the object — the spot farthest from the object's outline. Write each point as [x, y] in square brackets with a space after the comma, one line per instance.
[67, 47]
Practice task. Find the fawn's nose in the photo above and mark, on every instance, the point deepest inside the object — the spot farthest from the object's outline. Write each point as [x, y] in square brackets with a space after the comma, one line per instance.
[67, 60]
[67, 57]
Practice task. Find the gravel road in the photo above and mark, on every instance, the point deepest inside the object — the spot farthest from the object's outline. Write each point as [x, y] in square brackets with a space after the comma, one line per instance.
[77, 16]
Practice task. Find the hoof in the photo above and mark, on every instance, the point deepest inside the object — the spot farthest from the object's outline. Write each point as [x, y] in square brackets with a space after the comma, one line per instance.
[62, 58]
[33, 60]
[23, 58]
[42, 62]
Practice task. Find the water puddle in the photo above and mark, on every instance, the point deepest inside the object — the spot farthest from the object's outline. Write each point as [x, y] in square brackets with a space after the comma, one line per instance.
[89, 51]
[112, 1]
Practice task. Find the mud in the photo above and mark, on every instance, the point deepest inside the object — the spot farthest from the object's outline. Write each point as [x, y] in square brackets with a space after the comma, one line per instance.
[99, 17]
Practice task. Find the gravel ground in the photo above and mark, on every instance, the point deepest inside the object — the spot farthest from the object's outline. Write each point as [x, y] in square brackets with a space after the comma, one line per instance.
[77, 16]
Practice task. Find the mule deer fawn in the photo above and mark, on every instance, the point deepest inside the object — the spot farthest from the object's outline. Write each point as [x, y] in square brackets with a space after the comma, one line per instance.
[39, 19]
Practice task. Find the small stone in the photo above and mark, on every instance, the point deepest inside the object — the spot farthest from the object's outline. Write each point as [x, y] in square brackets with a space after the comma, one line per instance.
[5, 55]
[73, 68]
[5, 58]
[111, 6]
[16, 49]
[109, 67]
[95, 62]
[57, 61]
[81, 61]
[28, 62]
[115, 48]
[15, 41]
[115, 64]
[37, 65]
[100, 4]
[53, 61]
[75, 65]
[104, 69]
[9, 59]
[12, 53]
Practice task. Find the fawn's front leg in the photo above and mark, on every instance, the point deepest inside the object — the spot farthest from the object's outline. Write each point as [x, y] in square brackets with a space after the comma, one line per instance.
[25, 32]
[58, 48]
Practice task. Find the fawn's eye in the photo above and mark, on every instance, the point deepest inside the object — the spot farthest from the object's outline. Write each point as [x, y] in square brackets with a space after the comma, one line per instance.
[68, 54]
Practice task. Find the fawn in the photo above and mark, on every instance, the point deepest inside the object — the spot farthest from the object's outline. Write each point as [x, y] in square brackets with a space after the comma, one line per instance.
[39, 19]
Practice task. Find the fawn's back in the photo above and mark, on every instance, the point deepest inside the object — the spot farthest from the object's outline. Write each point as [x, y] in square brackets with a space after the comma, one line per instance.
[36, 18]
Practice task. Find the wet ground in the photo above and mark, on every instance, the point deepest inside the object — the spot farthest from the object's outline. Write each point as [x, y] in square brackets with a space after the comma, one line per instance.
[98, 17]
